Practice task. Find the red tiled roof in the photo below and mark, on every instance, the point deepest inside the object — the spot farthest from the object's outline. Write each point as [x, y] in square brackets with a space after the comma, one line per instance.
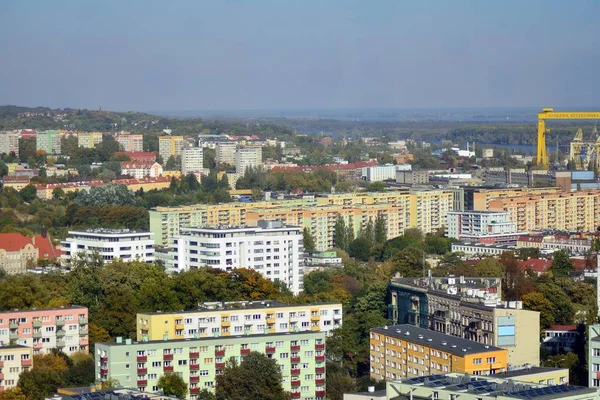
[13, 241]
[334, 167]
[18, 178]
[527, 238]
[562, 328]
[46, 248]
[535, 264]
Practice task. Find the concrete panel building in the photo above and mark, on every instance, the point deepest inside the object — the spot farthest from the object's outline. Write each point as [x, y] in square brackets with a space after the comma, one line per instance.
[192, 160]
[14, 359]
[89, 140]
[170, 146]
[239, 318]
[247, 157]
[130, 143]
[225, 153]
[139, 365]
[9, 142]
[49, 142]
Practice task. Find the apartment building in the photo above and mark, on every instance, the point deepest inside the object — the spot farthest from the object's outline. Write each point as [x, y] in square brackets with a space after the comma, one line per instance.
[225, 153]
[478, 198]
[9, 142]
[63, 328]
[109, 244]
[48, 141]
[14, 359]
[406, 351]
[469, 308]
[247, 157]
[89, 140]
[18, 251]
[239, 318]
[457, 386]
[593, 360]
[170, 146]
[139, 365]
[429, 209]
[482, 226]
[139, 170]
[130, 143]
[270, 248]
[138, 156]
[192, 160]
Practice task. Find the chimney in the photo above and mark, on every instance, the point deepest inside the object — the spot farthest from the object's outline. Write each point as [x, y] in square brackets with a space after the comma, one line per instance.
[44, 232]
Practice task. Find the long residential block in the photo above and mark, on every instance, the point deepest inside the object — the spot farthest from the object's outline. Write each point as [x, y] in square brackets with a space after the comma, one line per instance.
[14, 359]
[239, 318]
[139, 365]
[63, 328]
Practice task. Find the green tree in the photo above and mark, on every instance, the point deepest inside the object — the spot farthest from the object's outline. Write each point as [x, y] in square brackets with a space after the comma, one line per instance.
[255, 377]
[206, 394]
[526, 253]
[40, 382]
[380, 229]
[360, 248]
[561, 265]
[12, 394]
[309, 242]
[28, 193]
[489, 267]
[173, 385]
[171, 164]
[340, 233]
[409, 262]
[535, 301]
[377, 187]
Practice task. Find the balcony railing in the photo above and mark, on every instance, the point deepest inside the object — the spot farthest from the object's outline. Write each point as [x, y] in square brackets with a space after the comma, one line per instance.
[295, 360]
[195, 355]
[295, 372]
[103, 359]
[104, 371]
[194, 390]
[194, 379]
[219, 353]
[320, 358]
[194, 367]
[37, 324]
[319, 382]
[142, 371]
[244, 351]
[319, 347]
[142, 383]
[141, 359]
[295, 395]
[270, 350]
[320, 370]
[295, 383]
[83, 321]
[320, 393]
[60, 333]
[168, 368]
[220, 365]
[167, 357]
[295, 348]
[60, 343]
[13, 325]
[60, 322]
[37, 335]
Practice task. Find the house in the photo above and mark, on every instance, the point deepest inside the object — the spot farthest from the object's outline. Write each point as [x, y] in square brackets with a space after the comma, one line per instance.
[17, 251]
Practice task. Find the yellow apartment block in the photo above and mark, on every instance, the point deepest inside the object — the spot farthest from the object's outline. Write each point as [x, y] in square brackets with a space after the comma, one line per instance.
[170, 146]
[405, 351]
[483, 197]
[89, 140]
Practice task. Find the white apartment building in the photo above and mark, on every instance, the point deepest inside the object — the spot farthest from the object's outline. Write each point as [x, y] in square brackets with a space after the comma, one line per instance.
[239, 318]
[130, 143]
[13, 360]
[110, 244]
[9, 142]
[463, 225]
[139, 170]
[383, 172]
[225, 153]
[192, 160]
[246, 157]
[271, 248]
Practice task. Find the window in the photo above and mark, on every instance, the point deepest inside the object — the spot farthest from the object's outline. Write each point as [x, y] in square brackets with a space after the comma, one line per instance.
[208, 360]
[477, 361]
[156, 364]
[491, 360]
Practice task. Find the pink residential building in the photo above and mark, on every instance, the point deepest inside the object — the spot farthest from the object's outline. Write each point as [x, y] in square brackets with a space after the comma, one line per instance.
[63, 328]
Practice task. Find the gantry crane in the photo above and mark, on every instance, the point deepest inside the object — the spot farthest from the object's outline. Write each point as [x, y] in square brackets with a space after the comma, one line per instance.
[550, 114]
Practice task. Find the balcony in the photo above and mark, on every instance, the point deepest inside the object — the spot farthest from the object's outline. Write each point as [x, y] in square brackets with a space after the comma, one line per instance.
[219, 353]
[295, 348]
[295, 372]
[194, 390]
[295, 395]
[83, 332]
[270, 350]
[319, 382]
[60, 333]
[13, 335]
[142, 359]
[142, 383]
[271, 321]
[295, 360]
[13, 325]
[37, 335]
[195, 355]
[60, 322]
[37, 324]
[179, 327]
[103, 359]
[220, 365]
[225, 324]
[315, 318]
[168, 368]
[168, 357]
[104, 371]
[194, 379]
[320, 393]
[295, 383]
[1, 376]
[83, 320]
[320, 370]
[194, 367]
[60, 343]
[142, 371]
[244, 352]
[320, 359]
[319, 347]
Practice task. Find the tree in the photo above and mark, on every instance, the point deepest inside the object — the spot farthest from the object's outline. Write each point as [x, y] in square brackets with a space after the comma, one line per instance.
[340, 233]
[526, 253]
[28, 193]
[489, 267]
[171, 164]
[377, 187]
[561, 266]
[206, 394]
[173, 384]
[409, 262]
[12, 394]
[309, 242]
[380, 229]
[536, 301]
[360, 248]
[40, 382]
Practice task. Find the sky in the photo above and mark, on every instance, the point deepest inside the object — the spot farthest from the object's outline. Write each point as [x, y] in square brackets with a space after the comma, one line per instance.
[325, 54]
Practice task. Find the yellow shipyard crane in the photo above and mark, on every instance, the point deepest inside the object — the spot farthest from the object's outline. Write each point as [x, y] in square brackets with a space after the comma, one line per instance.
[550, 114]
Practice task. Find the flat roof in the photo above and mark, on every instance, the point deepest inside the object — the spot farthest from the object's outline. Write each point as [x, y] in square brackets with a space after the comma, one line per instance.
[528, 371]
[439, 341]
[211, 338]
[13, 346]
[44, 309]
[242, 305]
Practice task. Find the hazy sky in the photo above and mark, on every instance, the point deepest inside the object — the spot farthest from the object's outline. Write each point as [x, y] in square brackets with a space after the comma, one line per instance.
[259, 54]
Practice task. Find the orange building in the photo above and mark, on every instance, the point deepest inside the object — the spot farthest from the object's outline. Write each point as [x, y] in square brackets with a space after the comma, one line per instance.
[407, 351]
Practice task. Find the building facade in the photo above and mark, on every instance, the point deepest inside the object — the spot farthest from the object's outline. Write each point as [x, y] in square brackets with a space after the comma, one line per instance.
[192, 160]
[170, 146]
[225, 153]
[48, 141]
[14, 359]
[272, 249]
[109, 244]
[9, 142]
[239, 318]
[17, 251]
[130, 143]
[473, 312]
[139, 170]
[380, 173]
[405, 351]
[89, 140]
[139, 365]
[465, 225]
[247, 157]
[64, 328]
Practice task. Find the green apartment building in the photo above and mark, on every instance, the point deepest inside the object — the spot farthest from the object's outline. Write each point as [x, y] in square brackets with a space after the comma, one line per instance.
[48, 141]
[139, 365]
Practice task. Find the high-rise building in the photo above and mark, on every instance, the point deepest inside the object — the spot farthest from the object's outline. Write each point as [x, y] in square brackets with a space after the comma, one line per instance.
[225, 153]
[247, 157]
[593, 342]
[109, 244]
[139, 365]
[494, 227]
[9, 142]
[48, 141]
[43, 330]
[14, 359]
[239, 318]
[406, 351]
[192, 160]
[130, 143]
[271, 248]
[89, 140]
[170, 146]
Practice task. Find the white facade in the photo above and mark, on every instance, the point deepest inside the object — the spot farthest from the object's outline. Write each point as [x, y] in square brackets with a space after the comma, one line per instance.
[9, 142]
[110, 244]
[247, 157]
[465, 224]
[272, 249]
[14, 359]
[141, 170]
[383, 172]
[225, 153]
[480, 249]
[192, 160]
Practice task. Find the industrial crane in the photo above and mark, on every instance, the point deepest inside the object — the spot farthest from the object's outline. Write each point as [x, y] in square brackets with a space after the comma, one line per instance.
[550, 114]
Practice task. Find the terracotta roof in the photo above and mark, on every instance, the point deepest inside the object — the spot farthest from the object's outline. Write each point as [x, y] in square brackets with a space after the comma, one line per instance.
[334, 167]
[18, 178]
[13, 241]
[535, 264]
[527, 238]
[562, 328]
[46, 248]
